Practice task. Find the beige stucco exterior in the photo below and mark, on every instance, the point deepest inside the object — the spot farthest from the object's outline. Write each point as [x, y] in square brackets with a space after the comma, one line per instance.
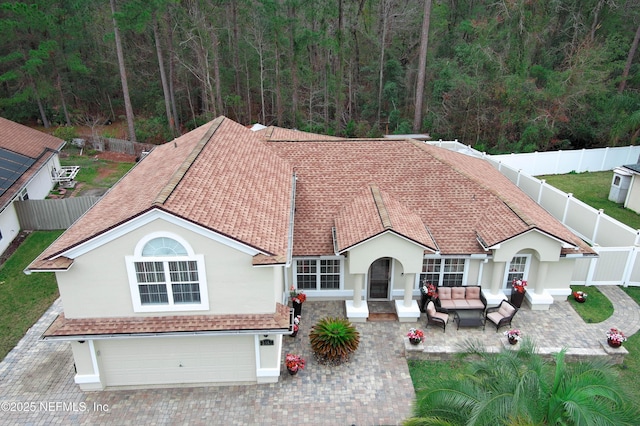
[97, 285]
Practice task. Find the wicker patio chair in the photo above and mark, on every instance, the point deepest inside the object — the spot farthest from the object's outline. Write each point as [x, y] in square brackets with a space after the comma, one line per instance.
[502, 314]
[437, 316]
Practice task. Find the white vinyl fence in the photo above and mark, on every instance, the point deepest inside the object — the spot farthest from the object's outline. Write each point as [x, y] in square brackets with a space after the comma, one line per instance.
[617, 244]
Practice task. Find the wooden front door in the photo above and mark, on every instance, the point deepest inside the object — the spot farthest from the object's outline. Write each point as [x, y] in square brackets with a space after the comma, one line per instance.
[379, 277]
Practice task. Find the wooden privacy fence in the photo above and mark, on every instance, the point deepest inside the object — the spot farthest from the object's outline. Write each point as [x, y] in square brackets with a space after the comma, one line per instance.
[101, 143]
[47, 215]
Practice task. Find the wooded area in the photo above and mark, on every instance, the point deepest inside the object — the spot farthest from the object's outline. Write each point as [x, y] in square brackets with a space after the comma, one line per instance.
[503, 76]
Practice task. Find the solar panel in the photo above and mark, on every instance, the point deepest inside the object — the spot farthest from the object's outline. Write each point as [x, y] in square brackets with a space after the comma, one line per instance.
[12, 166]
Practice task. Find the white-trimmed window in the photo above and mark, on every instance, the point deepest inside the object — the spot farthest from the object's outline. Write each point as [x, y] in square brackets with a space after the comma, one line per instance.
[318, 274]
[518, 269]
[166, 275]
[443, 272]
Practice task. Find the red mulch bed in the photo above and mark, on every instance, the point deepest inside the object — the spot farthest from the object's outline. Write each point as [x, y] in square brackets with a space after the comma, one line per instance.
[116, 156]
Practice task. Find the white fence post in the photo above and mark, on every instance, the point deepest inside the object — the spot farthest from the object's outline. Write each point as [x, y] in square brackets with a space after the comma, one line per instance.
[540, 188]
[628, 267]
[597, 225]
[566, 208]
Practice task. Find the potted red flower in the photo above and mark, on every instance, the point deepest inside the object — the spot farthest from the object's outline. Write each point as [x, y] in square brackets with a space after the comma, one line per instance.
[415, 336]
[580, 296]
[615, 338]
[517, 293]
[294, 363]
[513, 335]
[297, 299]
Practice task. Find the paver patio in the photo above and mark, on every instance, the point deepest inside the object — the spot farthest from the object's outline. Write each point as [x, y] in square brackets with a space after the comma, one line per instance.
[374, 388]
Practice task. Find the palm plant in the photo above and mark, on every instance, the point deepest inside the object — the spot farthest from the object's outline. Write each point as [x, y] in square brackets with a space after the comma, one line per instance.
[521, 388]
[333, 340]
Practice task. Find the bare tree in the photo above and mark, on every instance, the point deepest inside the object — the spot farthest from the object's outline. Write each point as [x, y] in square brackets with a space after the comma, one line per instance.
[123, 74]
[163, 76]
[424, 43]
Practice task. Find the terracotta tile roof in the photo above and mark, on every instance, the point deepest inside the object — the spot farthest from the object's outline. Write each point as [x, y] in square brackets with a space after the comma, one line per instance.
[28, 142]
[80, 327]
[220, 176]
[373, 212]
[521, 205]
[274, 134]
[455, 195]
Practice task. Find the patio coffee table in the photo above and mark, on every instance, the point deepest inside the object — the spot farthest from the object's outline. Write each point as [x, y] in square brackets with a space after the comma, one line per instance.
[469, 318]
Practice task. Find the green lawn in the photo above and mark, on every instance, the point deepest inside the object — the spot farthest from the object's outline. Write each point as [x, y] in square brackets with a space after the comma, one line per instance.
[596, 309]
[24, 298]
[593, 189]
[94, 172]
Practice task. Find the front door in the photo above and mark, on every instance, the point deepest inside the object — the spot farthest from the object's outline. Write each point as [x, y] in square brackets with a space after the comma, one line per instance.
[379, 277]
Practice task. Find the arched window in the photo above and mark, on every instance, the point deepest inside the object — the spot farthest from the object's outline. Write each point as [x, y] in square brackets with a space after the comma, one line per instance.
[165, 275]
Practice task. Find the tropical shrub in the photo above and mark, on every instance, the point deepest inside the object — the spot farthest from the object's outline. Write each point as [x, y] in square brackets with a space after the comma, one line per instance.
[521, 388]
[333, 340]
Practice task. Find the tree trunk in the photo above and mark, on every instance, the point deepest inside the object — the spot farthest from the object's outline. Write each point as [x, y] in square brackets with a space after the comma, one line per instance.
[172, 90]
[627, 66]
[216, 73]
[163, 77]
[123, 74]
[235, 49]
[339, 71]
[279, 111]
[424, 43]
[67, 119]
[385, 10]
[43, 114]
[294, 65]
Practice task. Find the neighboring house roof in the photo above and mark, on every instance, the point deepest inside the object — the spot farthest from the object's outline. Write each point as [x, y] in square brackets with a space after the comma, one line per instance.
[76, 328]
[23, 151]
[219, 176]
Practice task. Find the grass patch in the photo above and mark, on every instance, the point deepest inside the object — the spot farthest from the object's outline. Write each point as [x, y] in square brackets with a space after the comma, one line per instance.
[593, 189]
[425, 374]
[24, 298]
[597, 307]
[96, 173]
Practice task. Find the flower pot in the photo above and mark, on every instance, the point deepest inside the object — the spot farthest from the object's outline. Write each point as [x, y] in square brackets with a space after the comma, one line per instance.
[292, 372]
[512, 340]
[297, 308]
[517, 298]
[614, 343]
[415, 341]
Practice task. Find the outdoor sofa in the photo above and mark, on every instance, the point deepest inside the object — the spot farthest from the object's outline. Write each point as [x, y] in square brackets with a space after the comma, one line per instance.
[465, 297]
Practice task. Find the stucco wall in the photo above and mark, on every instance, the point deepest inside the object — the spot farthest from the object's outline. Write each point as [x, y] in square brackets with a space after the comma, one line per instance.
[406, 252]
[97, 284]
[547, 248]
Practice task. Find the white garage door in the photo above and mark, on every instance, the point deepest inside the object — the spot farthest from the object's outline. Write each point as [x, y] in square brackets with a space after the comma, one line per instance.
[175, 360]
